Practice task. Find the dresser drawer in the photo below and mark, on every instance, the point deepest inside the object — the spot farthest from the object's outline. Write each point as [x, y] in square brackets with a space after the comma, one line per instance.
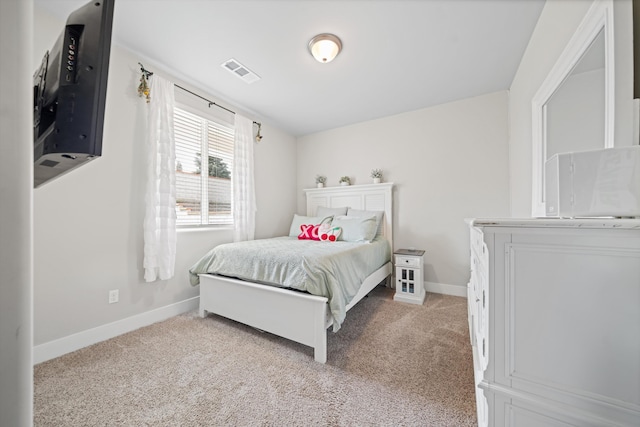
[411, 261]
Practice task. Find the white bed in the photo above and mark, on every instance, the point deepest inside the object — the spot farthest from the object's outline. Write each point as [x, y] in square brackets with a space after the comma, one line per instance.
[297, 316]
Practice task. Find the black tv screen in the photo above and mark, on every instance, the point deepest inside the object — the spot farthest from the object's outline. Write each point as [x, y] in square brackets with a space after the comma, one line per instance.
[70, 88]
[636, 48]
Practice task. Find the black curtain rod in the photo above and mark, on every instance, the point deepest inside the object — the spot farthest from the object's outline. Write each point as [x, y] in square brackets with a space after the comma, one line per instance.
[148, 74]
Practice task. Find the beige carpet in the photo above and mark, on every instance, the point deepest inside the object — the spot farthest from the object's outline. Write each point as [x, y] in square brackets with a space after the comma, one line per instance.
[391, 364]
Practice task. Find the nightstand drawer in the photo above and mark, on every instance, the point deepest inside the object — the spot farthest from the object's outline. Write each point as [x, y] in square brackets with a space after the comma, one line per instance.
[408, 261]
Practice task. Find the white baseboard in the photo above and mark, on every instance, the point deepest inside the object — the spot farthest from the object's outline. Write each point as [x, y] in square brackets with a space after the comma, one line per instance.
[59, 347]
[442, 288]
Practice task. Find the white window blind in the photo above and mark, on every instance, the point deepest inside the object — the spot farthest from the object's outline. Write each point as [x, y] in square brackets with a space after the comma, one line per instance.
[204, 158]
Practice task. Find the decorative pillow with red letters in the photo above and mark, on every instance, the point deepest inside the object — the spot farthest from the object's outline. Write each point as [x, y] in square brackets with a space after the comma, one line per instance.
[323, 231]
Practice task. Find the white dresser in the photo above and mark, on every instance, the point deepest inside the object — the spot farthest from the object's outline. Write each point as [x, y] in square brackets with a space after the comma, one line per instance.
[554, 319]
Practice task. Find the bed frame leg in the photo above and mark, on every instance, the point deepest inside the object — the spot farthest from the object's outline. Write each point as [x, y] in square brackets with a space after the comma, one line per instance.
[202, 312]
[320, 350]
[320, 341]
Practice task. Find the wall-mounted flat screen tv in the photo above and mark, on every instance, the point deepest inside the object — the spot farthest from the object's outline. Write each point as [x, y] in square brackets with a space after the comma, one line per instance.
[69, 91]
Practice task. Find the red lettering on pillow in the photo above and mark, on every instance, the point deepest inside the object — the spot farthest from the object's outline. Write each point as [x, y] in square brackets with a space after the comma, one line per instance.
[306, 232]
[309, 232]
[314, 232]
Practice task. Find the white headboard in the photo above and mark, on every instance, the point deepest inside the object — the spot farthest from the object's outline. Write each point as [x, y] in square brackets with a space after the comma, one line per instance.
[372, 197]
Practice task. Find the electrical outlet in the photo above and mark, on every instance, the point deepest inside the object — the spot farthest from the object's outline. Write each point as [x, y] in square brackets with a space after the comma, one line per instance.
[114, 296]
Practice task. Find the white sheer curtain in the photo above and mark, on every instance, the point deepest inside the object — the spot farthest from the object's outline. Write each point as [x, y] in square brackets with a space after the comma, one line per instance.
[244, 199]
[160, 216]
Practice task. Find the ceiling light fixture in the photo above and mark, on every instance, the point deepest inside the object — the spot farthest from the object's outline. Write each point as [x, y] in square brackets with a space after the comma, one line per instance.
[325, 47]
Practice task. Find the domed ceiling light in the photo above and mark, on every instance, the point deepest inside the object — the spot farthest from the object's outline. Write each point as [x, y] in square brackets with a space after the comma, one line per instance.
[325, 47]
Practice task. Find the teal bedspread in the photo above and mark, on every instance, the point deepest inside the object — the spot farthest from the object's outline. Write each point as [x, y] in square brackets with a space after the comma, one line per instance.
[331, 269]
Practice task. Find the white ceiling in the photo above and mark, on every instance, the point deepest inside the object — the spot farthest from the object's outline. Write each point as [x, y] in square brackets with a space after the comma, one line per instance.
[398, 55]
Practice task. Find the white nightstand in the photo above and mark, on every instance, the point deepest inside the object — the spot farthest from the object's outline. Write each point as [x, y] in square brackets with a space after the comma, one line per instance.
[409, 281]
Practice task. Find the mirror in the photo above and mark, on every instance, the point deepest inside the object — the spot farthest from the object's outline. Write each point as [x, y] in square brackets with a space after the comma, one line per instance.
[573, 109]
[574, 115]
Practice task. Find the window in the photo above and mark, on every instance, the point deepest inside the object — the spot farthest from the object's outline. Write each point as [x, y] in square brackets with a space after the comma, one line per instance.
[202, 182]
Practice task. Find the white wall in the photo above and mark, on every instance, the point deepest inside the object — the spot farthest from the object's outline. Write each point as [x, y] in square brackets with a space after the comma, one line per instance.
[88, 224]
[448, 163]
[557, 24]
[16, 183]
[275, 172]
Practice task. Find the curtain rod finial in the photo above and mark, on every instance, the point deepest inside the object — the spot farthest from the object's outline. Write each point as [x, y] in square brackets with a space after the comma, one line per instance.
[144, 71]
[258, 136]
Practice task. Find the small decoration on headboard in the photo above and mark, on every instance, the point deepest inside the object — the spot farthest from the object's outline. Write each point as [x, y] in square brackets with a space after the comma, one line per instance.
[376, 174]
[345, 180]
[143, 87]
[321, 180]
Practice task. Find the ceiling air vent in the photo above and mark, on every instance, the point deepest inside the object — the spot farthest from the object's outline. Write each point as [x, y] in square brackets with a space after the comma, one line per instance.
[242, 72]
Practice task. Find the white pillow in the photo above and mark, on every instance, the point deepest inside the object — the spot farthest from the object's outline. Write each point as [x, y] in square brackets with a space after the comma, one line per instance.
[357, 213]
[356, 229]
[325, 212]
[299, 220]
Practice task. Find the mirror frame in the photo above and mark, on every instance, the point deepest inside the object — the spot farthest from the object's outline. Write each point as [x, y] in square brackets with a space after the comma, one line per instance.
[598, 18]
